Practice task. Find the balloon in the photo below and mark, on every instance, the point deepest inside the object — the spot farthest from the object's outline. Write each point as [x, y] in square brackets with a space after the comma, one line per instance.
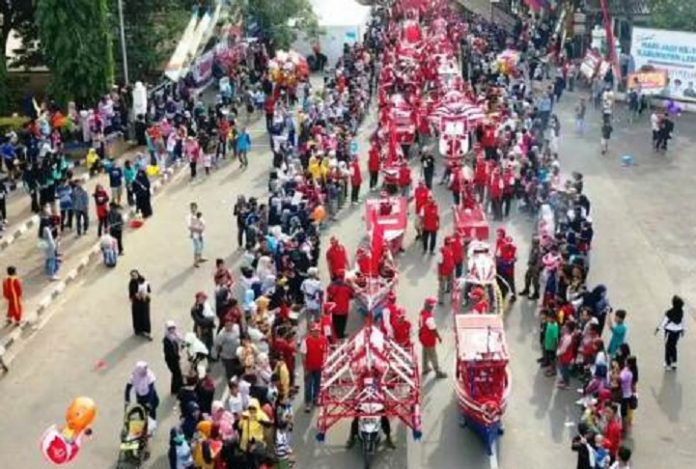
[56, 448]
[79, 416]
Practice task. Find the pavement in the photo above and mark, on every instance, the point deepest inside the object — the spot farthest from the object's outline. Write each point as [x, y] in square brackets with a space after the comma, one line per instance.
[643, 245]
[25, 254]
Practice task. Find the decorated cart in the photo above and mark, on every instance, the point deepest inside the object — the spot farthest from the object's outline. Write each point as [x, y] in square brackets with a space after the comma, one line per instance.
[482, 377]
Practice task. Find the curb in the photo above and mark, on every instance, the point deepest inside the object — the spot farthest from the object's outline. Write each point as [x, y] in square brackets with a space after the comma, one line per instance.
[25, 226]
[30, 326]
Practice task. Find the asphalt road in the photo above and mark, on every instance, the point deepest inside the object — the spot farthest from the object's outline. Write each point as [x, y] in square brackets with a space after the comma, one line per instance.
[644, 227]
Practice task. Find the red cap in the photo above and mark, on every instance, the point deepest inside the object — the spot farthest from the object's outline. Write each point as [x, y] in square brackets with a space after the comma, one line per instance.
[430, 301]
[315, 327]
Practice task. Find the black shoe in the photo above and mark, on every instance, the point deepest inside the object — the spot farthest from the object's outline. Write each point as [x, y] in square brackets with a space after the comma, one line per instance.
[534, 296]
[513, 298]
[524, 293]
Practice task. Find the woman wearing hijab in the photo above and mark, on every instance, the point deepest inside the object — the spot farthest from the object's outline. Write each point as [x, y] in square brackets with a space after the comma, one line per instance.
[172, 346]
[180, 456]
[190, 416]
[141, 189]
[139, 293]
[142, 380]
[673, 326]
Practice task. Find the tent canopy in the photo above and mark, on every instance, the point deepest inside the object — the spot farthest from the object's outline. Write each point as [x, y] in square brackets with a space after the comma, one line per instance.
[340, 12]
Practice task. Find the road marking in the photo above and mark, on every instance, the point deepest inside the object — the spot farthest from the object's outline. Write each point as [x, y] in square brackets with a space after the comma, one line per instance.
[493, 458]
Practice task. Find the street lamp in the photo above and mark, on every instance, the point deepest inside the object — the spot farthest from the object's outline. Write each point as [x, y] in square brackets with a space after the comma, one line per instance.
[123, 41]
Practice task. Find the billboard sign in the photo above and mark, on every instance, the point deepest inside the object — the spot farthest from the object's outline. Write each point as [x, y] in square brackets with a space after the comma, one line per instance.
[671, 51]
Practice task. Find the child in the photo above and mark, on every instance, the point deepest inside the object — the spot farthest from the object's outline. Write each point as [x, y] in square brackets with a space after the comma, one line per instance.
[282, 445]
[551, 337]
[207, 162]
[618, 331]
[109, 249]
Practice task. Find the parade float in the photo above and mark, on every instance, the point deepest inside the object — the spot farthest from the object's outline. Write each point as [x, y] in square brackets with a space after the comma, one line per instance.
[370, 376]
[482, 377]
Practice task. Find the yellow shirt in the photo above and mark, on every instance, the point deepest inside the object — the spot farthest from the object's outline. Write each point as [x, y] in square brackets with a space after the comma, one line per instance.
[252, 428]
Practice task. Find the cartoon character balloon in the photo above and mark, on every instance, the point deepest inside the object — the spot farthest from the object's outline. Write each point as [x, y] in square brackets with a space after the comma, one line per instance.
[61, 446]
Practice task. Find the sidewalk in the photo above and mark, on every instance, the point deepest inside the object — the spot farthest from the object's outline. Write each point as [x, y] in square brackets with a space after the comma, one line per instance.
[19, 214]
[77, 253]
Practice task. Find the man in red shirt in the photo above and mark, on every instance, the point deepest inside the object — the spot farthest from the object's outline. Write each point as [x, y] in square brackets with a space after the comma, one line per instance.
[495, 191]
[340, 293]
[445, 270]
[355, 181]
[314, 349]
[404, 179]
[421, 196]
[373, 165]
[336, 257]
[457, 245]
[429, 337]
[430, 221]
[402, 328]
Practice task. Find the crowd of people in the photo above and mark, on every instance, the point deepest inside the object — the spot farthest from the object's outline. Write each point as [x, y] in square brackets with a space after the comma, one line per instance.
[250, 323]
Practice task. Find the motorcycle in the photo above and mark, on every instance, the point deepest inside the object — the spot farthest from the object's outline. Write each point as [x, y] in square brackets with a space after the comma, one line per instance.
[369, 434]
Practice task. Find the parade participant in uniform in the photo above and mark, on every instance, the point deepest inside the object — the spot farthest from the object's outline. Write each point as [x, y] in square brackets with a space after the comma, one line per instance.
[12, 292]
[373, 165]
[495, 191]
[428, 337]
[404, 179]
[340, 293]
[336, 257]
[313, 349]
[481, 305]
[445, 270]
[402, 328]
[506, 266]
[430, 221]
[355, 181]
[480, 177]
[531, 276]
[457, 245]
[421, 196]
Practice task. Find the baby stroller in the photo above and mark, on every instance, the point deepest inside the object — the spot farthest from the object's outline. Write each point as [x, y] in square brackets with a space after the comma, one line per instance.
[136, 432]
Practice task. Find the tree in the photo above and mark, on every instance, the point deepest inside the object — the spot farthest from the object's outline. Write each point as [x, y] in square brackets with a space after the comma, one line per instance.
[77, 45]
[14, 14]
[152, 28]
[280, 21]
[677, 15]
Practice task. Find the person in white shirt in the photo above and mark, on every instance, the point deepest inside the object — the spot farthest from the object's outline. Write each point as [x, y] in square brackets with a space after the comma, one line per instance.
[236, 402]
[312, 290]
[655, 126]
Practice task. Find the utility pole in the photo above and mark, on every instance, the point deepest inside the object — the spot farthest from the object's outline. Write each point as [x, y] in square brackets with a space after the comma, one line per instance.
[123, 41]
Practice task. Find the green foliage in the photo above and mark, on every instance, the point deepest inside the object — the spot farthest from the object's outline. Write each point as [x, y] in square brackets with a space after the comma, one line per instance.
[274, 17]
[12, 124]
[677, 15]
[4, 89]
[152, 29]
[76, 42]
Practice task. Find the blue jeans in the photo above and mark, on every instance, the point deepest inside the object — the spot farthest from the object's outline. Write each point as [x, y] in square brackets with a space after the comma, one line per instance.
[564, 371]
[312, 382]
[51, 266]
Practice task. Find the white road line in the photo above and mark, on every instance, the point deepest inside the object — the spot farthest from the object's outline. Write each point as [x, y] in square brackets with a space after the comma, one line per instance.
[493, 458]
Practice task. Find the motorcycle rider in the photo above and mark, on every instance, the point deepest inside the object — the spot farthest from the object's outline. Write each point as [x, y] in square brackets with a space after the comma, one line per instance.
[384, 424]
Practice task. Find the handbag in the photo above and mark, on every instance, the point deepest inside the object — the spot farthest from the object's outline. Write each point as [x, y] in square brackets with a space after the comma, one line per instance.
[633, 402]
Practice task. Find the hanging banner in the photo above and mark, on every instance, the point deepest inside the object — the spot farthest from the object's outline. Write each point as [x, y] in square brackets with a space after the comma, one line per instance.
[203, 68]
[671, 51]
[651, 83]
[589, 64]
